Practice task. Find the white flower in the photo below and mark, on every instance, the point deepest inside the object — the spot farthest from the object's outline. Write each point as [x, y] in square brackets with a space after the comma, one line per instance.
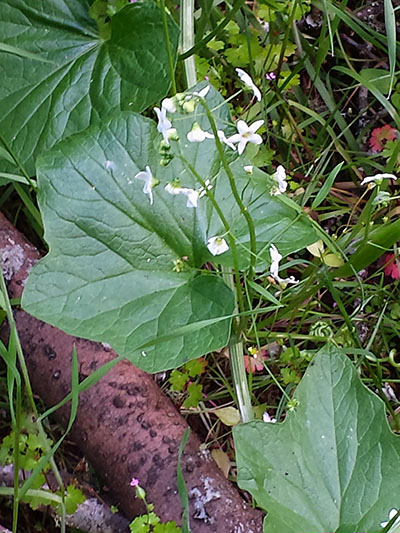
[246, 79]
[197, 135]
[280, 177]
[392, 514]
[223, 139]
[164, 125]
[248, 169]
[274, 268]
[217, 245]
[149, 182]
[192, 195]
[203, 93]
[169, 105]
[268, 419]
[246, 134]
[379, 178]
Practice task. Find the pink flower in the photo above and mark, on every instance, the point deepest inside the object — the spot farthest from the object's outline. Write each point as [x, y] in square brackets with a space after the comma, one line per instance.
[391, 266]
[379, 137]
[134, 482]
[254, 362]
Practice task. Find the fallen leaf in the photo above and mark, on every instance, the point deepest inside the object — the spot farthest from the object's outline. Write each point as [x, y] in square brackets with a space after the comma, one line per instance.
[222, 460]
[228, 415]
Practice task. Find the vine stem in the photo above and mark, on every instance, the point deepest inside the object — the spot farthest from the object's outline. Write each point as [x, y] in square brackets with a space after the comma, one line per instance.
[187, 29]
[168, 46]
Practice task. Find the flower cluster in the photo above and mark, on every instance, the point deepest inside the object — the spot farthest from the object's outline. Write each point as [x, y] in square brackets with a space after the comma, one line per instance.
[246, 133]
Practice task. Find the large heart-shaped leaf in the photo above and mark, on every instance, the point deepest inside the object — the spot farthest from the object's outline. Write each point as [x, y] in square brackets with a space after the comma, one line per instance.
[111, 272]
[57, 76]
[333, 465]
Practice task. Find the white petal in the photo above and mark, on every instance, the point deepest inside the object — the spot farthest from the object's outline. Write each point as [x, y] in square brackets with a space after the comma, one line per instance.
[172, 190]
[192, 198]
[228, 142]
[168, 105]
[385, 175]
[248, 169]
[256, 125]
[392, 514]
[255, 138]
[280, 176]
[202, 191]
[245, 78]
[242, 127]
[198, 135]
[158, 112]
[280, 173]
[234, 138]
[217, 245]
[257, 92]
[203, 93]
[242, 145]
[147, 177]
[275, 259]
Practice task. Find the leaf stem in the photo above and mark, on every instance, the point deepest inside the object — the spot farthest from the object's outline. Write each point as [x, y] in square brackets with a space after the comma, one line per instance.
[168, 46]
[229, 16]
[237, 360]
[187, 29]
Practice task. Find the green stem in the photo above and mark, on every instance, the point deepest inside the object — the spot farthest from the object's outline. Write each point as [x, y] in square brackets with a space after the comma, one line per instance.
[187, 29]
[231, 238]
[237, 360]
[243, 208]
[168, 46]
[17, 430]
[28, 388]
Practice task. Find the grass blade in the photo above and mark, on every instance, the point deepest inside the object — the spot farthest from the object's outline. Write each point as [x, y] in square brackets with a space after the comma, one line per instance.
[182, 489]
[390, 24]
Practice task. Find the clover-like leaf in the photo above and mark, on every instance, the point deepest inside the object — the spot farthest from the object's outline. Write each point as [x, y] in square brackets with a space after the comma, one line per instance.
[58, 76]
[332, 465]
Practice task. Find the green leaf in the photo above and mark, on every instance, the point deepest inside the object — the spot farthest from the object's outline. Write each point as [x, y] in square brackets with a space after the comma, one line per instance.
[333, 465]
[380, 238]
[195, 395]
[112, 279]
[74, 497]
[111, 271]
[178, 380]
[326, 187]
[195, 367]
[378, 77]
[58, 76]
[168, 527]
